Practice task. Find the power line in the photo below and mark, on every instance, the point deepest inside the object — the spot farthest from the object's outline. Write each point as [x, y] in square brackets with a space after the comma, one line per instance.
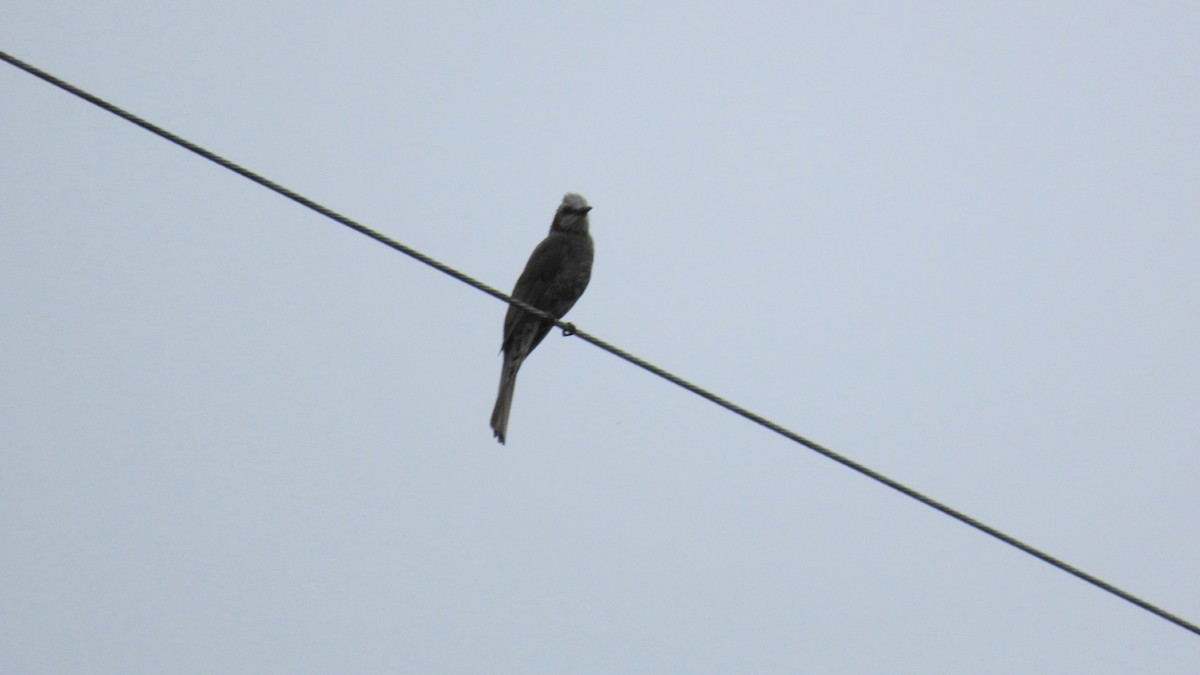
[570, 329]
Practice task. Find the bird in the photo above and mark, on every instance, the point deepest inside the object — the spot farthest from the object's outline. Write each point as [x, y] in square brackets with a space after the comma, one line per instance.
[554, 278]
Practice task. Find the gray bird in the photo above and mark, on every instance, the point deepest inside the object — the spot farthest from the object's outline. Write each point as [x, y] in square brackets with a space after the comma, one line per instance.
[557, 273]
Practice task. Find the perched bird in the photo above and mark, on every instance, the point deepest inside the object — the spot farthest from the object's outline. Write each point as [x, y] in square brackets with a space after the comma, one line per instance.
[557, 273]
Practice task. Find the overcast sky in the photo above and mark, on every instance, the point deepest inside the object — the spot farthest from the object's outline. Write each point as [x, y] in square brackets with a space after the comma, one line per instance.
[957, 242]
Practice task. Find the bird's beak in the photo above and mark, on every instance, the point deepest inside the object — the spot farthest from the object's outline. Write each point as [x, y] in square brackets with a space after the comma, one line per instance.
[586, 209]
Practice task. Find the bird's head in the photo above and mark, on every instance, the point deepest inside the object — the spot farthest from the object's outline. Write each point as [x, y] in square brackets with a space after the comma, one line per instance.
[572, 214]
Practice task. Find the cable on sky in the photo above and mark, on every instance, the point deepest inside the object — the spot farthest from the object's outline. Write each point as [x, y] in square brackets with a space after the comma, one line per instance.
[570, 329]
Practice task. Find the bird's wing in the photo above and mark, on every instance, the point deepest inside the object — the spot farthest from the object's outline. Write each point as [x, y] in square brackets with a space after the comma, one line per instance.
[535, 285]
[545, 264]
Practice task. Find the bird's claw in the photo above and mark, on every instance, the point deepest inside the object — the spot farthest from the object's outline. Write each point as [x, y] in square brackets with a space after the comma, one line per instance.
[568, 329]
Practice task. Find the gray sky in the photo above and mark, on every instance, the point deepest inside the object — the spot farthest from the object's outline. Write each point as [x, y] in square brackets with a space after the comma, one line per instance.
[957, 243]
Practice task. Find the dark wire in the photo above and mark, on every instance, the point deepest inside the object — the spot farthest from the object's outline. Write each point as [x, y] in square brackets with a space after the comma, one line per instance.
[569, 328]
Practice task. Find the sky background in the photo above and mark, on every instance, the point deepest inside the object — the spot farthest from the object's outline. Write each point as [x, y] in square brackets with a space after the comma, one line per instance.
[957, 242]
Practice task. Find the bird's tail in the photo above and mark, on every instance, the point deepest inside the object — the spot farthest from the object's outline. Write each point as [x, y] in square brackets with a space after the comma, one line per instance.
[508, 380]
